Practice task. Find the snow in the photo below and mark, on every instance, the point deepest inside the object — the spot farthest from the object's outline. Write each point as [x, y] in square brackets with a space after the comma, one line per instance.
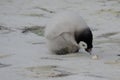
[24, 56]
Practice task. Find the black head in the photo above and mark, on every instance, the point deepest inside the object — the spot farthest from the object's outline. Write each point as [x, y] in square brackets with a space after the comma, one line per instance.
[86, 36]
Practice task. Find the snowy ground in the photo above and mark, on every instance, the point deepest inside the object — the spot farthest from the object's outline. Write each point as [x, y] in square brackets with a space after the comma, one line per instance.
[24, 56]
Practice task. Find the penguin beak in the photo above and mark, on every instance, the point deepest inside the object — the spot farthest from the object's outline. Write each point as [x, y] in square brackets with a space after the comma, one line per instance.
[89, 50]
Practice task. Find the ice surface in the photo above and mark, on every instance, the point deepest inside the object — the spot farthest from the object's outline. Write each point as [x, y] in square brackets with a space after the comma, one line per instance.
[24, 56]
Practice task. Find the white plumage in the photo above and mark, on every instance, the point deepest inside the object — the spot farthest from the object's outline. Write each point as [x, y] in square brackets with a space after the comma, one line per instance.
[60, 32]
